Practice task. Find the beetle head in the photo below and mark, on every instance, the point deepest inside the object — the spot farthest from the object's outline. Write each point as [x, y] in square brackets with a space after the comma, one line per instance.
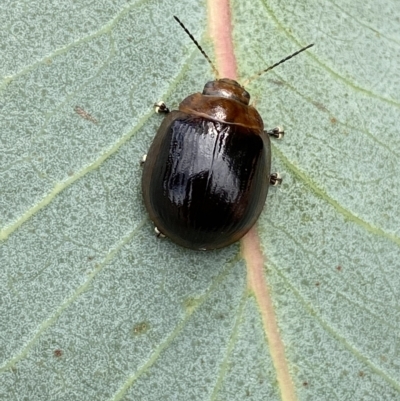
[227, 88]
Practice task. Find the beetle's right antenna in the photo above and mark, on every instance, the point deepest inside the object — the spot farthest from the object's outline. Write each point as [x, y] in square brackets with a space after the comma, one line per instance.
[198, 46]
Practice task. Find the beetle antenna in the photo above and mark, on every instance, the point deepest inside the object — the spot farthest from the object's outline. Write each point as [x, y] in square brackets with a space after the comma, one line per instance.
[276, 64]
[198, 46]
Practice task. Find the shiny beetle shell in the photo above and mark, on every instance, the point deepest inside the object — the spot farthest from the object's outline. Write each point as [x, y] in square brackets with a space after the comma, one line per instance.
[206, 175]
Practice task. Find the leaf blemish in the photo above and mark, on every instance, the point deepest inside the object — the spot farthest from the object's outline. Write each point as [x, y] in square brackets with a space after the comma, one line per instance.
[84, 114]
[140, 328]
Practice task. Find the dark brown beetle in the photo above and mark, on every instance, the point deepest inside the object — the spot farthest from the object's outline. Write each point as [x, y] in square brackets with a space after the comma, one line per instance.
[206, 175]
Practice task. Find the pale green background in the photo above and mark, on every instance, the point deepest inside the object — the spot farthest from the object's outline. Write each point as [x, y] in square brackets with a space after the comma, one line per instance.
[138, 318]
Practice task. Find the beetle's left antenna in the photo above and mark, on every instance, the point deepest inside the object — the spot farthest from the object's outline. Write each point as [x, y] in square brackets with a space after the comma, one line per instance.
[276, 64]
[198, 46]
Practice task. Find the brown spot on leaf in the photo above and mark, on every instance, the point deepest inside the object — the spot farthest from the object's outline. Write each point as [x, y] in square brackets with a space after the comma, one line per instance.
[58, 353]
[84, 114]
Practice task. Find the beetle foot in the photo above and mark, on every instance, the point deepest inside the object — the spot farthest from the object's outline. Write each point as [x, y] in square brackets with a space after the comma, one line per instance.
[276, 132]
[143, 160]
[275, 179]
[161, 107]
[159, 234]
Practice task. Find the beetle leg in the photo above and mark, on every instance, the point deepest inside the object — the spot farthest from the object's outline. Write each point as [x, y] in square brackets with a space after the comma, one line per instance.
[143, 160]
[276, 132]
[161, 107]
[159, 234]
[275, 179]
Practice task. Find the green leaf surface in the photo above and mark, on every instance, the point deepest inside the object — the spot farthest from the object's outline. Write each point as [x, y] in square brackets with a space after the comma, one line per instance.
[95, 307]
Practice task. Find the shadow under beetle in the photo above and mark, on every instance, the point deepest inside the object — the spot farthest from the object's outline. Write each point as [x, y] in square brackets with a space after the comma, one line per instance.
[206, 175]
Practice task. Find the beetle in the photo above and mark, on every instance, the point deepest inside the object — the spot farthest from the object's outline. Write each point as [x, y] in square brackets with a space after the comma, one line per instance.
[206, 176]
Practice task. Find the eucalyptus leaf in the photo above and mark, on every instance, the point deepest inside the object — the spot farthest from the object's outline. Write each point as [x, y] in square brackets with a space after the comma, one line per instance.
[95, 307]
